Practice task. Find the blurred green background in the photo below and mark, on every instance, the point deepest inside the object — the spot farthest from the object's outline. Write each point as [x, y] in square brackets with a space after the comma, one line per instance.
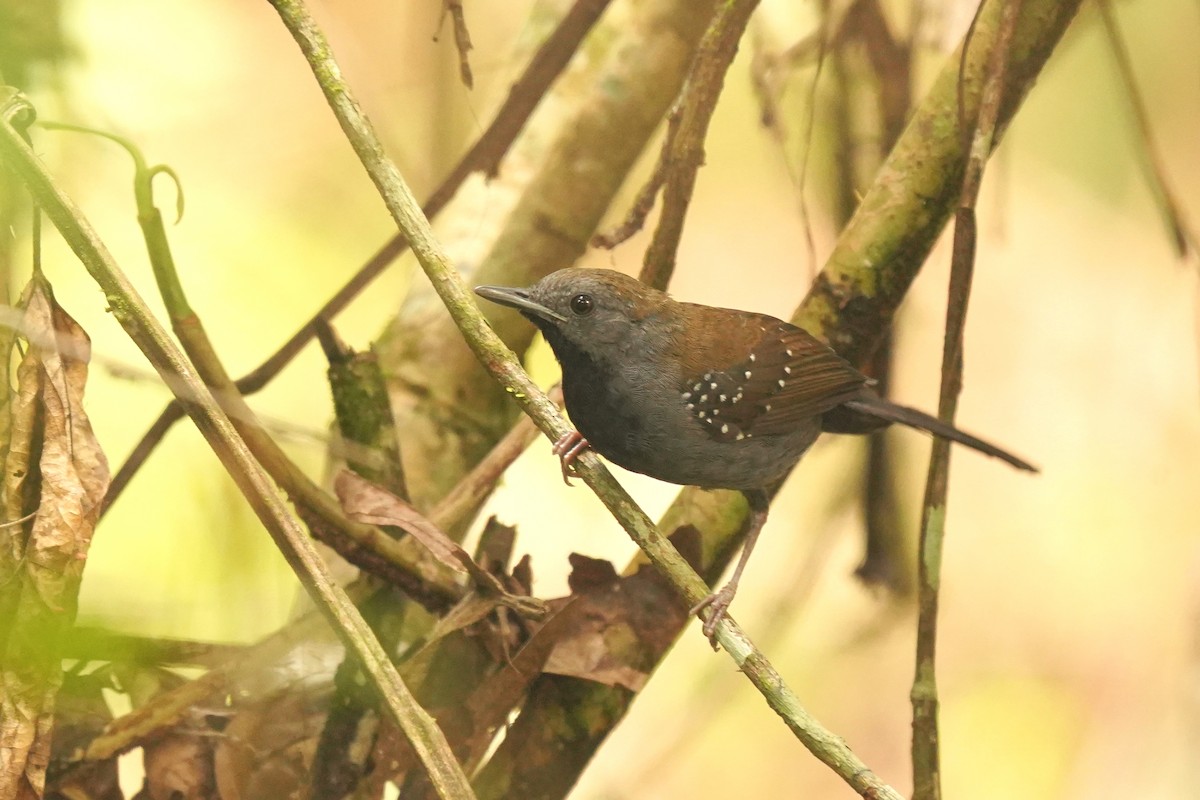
[1070, 627]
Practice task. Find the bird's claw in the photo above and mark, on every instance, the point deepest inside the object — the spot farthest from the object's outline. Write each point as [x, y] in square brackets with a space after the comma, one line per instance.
[568, 447]
[717, 604]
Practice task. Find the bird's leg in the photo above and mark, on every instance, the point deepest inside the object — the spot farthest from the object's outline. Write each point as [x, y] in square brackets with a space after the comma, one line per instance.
[567, 448]
[718, 602]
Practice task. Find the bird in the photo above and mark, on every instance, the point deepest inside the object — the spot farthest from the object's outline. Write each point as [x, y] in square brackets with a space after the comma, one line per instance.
[698, 395]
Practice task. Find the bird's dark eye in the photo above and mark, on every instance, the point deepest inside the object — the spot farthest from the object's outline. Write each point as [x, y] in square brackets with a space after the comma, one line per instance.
[582, 304]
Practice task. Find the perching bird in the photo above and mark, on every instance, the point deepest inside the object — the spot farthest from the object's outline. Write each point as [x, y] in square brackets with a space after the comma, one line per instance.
[697, 395]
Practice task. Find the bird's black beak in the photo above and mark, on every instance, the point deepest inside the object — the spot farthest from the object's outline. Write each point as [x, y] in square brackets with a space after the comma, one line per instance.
[519, 299]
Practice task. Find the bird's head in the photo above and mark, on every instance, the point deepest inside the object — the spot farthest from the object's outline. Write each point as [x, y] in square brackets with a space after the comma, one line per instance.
[587, 310]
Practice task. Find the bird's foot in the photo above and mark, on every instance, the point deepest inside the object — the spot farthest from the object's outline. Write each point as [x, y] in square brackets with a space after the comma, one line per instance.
[567, 448]
[717, 604]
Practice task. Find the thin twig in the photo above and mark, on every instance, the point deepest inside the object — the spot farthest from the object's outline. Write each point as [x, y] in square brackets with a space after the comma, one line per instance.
[925, 747]
[462, 38]
[643, 204]
[504, 367]
[682, 152]
[484, 156]
[136, 318]
[683, 155]
[1182, 236]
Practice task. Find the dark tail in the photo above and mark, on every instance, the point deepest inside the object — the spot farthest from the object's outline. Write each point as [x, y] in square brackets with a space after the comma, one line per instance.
[881, 409]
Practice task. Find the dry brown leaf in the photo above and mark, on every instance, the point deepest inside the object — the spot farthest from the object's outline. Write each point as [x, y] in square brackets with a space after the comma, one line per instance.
[367, 502]
[54, 481]
[589, 652]
[623, 622]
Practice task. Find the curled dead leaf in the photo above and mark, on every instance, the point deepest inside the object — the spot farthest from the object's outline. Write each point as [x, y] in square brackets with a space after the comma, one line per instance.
[55, 477]
[367, 502]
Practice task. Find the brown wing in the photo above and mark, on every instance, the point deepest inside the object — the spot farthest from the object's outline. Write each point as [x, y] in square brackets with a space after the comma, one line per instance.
[768, 377]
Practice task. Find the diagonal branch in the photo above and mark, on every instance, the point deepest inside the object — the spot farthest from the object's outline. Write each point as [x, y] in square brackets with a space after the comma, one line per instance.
[500, 362]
